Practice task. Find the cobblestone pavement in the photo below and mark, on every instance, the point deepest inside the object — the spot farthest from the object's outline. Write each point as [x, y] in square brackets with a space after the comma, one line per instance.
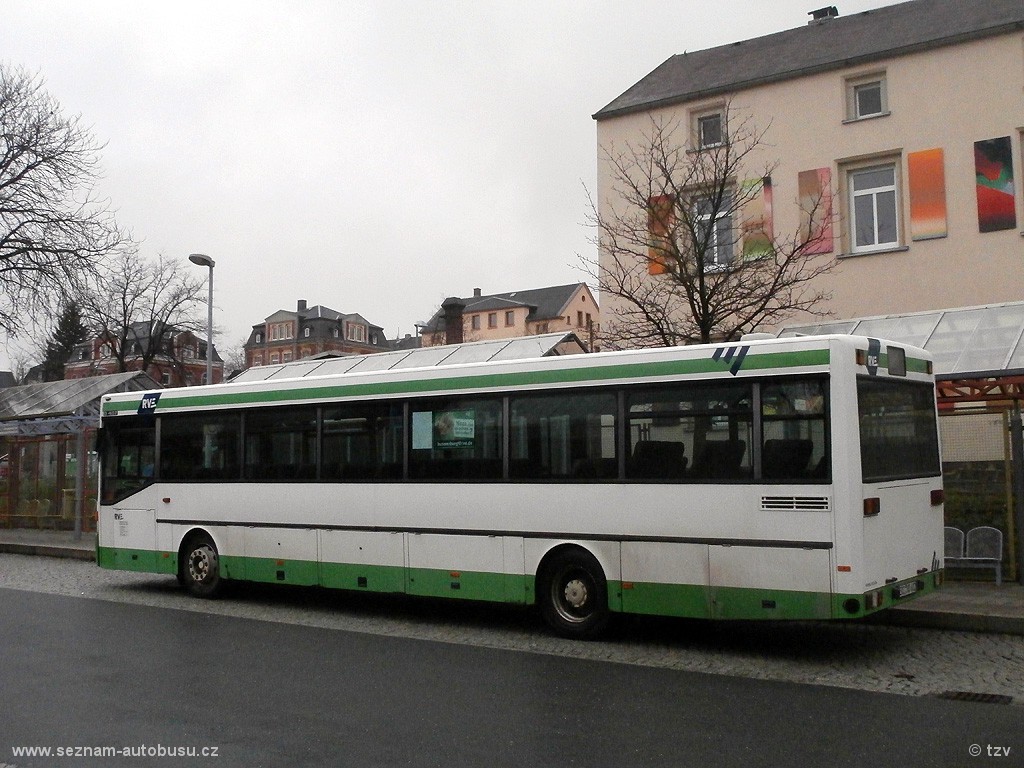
[873, 657]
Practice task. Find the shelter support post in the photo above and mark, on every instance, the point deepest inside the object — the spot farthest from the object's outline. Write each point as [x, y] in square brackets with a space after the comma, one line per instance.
[1017, 450]
[82, 464]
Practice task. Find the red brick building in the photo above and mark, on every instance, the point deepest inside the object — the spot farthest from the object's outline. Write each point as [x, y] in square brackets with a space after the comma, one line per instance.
[180, 360]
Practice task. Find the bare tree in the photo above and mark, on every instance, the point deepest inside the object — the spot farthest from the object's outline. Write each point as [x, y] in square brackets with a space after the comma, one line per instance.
[234, 357]
[688, 251]
[140, 308]
[53, 229]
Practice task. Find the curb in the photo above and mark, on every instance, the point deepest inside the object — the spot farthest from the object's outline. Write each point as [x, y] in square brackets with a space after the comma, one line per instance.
[959, 622]
[47, 550]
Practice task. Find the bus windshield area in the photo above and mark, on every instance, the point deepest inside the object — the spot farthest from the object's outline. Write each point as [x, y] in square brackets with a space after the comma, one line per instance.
[128, 449]
[899, 436]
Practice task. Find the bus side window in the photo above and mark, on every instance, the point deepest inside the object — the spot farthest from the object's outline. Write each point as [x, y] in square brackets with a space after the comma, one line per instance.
[658, 459]
[785, 457]
[793, 430]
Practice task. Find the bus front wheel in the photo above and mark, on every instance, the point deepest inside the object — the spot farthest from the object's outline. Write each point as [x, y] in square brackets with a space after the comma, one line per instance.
[200, 567]
[573, 595]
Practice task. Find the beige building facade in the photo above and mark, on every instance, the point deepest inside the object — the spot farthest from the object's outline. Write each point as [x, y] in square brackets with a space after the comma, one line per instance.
[907, 120]
[483, 317]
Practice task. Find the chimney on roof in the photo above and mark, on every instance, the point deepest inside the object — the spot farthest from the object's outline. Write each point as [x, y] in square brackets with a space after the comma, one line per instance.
[452, 309]
[828, 12]
[302, 305]
[476, 293]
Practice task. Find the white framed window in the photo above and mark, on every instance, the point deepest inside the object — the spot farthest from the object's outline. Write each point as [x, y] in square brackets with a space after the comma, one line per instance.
[866, 96]
[286, 357]
[305, 332]
[336, 332]
[259, 338]
[709, 129]
[355, 332]
[714, 225]
[873, 208]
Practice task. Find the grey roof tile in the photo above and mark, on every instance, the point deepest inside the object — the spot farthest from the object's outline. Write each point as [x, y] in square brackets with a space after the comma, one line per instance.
[828, 44]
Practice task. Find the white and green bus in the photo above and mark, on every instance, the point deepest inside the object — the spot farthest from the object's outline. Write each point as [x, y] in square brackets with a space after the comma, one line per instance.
[792, 478]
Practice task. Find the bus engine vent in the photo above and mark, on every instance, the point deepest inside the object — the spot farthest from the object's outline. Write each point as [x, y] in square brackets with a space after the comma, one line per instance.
[799, 503]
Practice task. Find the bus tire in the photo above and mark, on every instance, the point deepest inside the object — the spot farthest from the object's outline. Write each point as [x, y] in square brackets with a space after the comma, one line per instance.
[573, 594]
[200, 566]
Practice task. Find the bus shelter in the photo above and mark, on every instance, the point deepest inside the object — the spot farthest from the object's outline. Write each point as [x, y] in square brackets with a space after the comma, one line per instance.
[47, 461]
[979, 371]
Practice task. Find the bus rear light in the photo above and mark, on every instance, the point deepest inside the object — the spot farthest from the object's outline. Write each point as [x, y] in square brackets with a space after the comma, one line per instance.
[938, 497]
[844, 568]
[872, 506]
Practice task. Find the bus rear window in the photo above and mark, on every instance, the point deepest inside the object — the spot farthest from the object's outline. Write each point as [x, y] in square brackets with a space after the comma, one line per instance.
[898, 431]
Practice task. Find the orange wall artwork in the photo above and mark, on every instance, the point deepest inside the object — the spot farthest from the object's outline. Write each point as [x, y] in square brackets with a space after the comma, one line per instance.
[927, 194]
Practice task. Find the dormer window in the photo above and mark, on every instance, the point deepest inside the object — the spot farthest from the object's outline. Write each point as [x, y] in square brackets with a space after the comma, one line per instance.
[355, 332]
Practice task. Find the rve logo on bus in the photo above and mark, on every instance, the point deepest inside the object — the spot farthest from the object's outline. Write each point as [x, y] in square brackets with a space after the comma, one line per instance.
[147, 406]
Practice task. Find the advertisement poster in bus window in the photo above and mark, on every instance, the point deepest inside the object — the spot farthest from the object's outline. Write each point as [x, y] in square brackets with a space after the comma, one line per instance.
[443, 429]
[454, 429]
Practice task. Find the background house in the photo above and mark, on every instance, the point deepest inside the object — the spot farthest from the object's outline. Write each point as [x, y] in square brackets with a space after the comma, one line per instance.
[178, 359]
[516, 313]
[904, 120]
[293, 335]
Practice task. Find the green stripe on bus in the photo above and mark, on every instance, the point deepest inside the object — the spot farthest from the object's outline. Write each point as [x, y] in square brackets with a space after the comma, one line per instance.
[141, 560]
[753, 362]
[676, 600]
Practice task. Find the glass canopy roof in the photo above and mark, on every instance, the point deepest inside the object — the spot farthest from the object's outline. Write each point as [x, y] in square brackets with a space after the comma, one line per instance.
[969, 340]
[518, 348]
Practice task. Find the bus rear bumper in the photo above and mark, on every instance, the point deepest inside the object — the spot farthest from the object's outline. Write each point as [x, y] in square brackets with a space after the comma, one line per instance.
[889, 596]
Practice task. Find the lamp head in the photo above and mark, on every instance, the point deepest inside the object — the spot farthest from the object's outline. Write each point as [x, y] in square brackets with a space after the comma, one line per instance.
[201, 259]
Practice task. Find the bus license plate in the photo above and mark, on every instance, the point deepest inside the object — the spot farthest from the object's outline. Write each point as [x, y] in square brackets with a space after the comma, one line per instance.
[903, 590]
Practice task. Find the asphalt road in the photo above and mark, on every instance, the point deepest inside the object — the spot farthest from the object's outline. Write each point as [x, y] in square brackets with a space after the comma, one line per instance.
[81, 672]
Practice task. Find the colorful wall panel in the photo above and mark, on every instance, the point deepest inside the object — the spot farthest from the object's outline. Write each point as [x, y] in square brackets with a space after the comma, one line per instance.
[993, 166]
[757, 229]
[927, 194]
[660, 224]
[815, 193]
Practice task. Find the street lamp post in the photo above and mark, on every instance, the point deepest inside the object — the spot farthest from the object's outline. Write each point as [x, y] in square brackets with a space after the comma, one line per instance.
[205, 261]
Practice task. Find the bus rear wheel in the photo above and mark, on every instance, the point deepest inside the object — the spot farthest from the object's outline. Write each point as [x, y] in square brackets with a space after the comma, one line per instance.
[573, 595]
[200, 567]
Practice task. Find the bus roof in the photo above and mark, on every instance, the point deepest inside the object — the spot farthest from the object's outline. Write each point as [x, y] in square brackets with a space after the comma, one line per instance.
[756, 357]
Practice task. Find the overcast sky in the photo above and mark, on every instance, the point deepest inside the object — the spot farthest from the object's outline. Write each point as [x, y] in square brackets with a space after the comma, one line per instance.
[373, 157]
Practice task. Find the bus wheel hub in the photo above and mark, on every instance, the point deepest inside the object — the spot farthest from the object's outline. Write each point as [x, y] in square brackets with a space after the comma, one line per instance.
[576, 593]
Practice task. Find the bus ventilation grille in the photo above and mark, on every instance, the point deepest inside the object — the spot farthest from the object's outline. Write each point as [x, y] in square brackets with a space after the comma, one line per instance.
[803, 503]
